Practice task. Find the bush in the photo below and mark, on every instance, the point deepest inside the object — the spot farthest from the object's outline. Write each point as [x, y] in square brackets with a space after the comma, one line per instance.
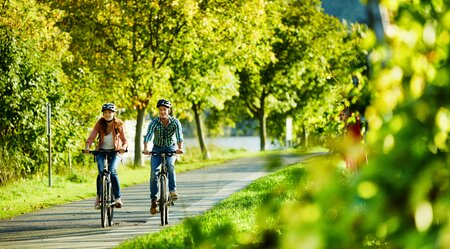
[77, 178]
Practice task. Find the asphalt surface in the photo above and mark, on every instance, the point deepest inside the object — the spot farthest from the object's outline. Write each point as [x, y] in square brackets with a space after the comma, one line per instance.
[77, 224]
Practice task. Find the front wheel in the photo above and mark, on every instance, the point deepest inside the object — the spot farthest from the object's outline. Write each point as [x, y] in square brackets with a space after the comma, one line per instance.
[104, 200]
[110, 207]
[166, 214]
[163, 200]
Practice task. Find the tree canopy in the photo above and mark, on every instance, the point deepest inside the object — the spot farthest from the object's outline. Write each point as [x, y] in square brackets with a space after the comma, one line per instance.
[264, 59]
[32, 51]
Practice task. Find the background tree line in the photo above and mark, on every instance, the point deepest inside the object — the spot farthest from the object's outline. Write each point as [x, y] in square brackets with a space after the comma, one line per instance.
[235, 60]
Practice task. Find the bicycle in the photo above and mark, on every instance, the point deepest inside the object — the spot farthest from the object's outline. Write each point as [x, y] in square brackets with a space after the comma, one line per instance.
[107, 197]
[165, 200]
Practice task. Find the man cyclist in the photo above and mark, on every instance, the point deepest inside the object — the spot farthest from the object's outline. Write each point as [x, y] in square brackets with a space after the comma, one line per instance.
[168, 136]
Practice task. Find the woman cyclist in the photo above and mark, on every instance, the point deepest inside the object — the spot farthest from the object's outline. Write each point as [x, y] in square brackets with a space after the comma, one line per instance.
[168, 136]
[111, 137]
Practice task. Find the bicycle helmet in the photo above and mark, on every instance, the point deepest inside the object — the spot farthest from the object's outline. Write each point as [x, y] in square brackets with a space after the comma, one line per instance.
[109, 106]
[163, 102]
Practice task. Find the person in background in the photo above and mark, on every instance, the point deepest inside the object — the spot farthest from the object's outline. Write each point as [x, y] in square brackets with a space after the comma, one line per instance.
[110, 133]
[168, 136]
[354, 152]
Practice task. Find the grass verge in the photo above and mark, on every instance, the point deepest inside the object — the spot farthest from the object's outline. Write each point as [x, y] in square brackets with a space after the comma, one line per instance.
[251, 218]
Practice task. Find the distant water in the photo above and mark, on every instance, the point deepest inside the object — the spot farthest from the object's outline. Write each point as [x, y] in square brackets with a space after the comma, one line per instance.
[250, 143]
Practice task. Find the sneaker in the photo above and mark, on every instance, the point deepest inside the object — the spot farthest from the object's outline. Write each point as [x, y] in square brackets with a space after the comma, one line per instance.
[153, 208]
[97, 204]
[118, 203]
[174, 195]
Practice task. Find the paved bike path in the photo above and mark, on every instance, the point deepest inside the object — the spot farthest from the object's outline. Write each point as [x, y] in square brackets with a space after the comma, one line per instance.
[77, 224]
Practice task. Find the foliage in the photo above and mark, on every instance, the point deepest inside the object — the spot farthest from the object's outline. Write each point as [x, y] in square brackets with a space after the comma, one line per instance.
[409, 129]
[32, 49]
[399, 200]
[322, 79]
[291, 59]
[127, 46]
[204, 76]
[134, 52]
[304, 74]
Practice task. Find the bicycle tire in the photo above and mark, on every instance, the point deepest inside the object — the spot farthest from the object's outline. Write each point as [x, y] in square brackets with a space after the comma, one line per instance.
[104, 200]
[166, 213]
[110, 207]
[163, 199]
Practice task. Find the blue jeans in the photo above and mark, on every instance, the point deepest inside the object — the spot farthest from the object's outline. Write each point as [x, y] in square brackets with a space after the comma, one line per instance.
[155, 164]
[113, 162]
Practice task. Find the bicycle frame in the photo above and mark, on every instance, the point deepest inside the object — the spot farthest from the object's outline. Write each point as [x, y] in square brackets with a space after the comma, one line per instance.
[165, 200]
[107, 197]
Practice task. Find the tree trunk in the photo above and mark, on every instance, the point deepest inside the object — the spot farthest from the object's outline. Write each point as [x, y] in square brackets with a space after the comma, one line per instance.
[201, 138]
[305, 137]
[138, 137]
[262, 122]
[262, 130]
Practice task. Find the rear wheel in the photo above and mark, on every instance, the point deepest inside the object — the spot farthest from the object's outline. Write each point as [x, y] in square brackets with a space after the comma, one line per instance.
[104, 200]
[163, 199]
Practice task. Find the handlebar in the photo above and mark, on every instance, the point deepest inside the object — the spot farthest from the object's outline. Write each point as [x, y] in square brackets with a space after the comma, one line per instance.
[168, 153]
[95, 152]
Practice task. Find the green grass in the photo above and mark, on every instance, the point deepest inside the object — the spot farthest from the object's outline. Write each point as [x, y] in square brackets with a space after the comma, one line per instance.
[251, 218]
[27, 195]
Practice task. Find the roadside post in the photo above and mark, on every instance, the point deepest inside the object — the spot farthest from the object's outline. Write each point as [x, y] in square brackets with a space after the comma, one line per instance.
[288, 132]
[49, 136]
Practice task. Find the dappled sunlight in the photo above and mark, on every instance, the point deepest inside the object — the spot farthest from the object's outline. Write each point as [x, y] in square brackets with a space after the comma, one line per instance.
[417, 84]
[367, 189]
[389, 143]
[443, 125]
[423, 216]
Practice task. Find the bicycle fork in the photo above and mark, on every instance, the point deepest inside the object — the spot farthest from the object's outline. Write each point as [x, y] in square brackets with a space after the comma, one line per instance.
[109, 196]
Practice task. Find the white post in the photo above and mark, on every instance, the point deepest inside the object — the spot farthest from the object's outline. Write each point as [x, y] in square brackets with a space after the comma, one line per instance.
[288, 132]
[49, 135]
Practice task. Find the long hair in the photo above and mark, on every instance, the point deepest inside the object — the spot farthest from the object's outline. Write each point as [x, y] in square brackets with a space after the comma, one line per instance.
[104, 124]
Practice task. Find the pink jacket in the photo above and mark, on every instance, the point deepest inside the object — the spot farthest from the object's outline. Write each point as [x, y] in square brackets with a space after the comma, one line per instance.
[120, 142]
